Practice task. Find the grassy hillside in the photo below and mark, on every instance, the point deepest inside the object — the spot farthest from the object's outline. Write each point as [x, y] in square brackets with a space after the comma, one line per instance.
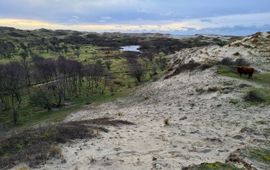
[47, 74]
[253, 95]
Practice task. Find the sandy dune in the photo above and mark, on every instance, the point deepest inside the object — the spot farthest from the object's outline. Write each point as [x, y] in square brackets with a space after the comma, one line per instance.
[203, 126]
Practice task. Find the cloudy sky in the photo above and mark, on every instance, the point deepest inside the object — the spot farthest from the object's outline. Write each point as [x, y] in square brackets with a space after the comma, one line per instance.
[165, 16]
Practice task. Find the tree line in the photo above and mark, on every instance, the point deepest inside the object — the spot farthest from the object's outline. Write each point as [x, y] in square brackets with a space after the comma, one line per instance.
[47, 83]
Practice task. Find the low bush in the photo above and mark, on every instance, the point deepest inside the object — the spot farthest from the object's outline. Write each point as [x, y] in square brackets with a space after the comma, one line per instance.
[251, 157]
[227, 61]
[241, 62]
[41, 99]
[166, 122]
[55, 152]
[237, 54]
[212, 166]
[258, 95]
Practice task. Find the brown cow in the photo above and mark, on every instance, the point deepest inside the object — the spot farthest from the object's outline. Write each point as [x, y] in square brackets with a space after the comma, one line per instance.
[246, 71]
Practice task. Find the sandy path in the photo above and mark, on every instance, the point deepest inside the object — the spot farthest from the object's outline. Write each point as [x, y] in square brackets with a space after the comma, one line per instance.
[203, 126]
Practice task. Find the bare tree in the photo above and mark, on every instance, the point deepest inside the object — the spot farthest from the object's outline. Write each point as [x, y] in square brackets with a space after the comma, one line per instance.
[25, 54]
[14, 81]
[135, 69]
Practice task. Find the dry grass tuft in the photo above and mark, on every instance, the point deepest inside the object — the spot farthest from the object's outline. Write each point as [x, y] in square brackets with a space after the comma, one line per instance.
[55, 152]
[166, 122]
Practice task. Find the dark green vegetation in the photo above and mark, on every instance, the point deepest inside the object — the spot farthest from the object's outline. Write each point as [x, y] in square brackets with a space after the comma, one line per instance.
[251, 157]
[246, 158]
[253, 95]
[258, 95]
[46, 74]
[36, 146]
[259, 154]
[213, 166]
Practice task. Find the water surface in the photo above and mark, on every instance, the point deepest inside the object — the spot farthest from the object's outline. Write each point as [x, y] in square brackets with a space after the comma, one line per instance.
[131, 48]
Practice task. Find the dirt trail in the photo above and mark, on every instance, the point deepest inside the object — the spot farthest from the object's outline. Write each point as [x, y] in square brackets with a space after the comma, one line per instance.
[203, 126]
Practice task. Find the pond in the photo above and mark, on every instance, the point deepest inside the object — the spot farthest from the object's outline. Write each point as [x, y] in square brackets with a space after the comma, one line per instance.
[131, 48]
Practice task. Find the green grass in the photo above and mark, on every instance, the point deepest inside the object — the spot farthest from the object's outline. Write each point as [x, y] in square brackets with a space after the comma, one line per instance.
[88, 54]
[260, 154]
[261, 78]
[258, 95]
[29, 116]
[259, 157]
[253, 95]
[215, 166]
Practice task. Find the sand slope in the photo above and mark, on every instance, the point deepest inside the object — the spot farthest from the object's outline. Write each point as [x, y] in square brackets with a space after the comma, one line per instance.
[204, 126]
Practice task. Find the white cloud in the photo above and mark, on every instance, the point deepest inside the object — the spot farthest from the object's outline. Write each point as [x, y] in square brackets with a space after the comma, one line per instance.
[255, 19]
[258, 19]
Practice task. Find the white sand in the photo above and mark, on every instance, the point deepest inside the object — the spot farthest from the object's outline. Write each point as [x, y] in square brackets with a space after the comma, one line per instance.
[202, 126]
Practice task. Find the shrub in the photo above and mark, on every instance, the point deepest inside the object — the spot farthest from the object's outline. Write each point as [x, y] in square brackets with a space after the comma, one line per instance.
[108, 64]
[237, 54]
[251, 157]
[212, 166]
[255, 40]
[35, 146]
[227, 61]
[233, 101]
[135, 69]
[55, 152]
[213, 89]
[166, 122]
[255, 95]
[41, 99]
[241, 62]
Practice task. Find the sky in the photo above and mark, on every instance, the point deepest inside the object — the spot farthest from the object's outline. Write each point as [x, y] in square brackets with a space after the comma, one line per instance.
[184, 17]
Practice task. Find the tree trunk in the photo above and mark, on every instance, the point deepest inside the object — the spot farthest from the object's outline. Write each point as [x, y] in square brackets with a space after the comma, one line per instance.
[14, 112]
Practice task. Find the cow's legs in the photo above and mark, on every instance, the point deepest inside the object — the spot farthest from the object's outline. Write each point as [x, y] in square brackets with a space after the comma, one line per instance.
[249, 75]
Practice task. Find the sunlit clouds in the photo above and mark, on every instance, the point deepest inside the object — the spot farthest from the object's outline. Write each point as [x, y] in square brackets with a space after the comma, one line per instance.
[34, 24]
[172, 16]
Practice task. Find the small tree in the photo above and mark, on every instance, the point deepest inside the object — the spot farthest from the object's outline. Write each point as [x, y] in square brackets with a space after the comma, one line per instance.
[135, 69]
[7, 49]
[24, 55]
[41, 99]
[108, 64]
[161, 61]
[12, 84]
[227, 61]
[77, 50]
[77, 53]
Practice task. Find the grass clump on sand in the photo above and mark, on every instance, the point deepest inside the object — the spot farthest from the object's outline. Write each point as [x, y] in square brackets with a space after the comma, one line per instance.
[260, 154]
[245, 158]
[36, 146]
[258, 95]
[251, 157]
[212, 166]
